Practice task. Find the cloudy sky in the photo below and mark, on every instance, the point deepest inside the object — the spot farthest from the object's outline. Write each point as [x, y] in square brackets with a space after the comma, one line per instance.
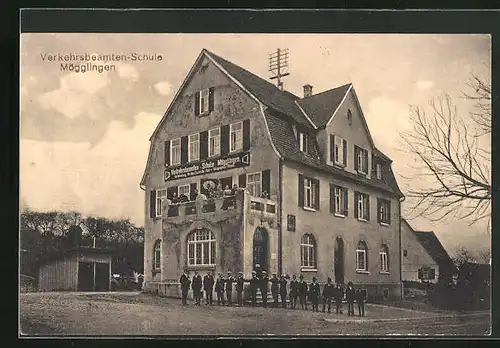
[85, 136]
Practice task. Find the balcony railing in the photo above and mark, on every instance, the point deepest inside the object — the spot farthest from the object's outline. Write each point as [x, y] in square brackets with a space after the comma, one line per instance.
[264, 205]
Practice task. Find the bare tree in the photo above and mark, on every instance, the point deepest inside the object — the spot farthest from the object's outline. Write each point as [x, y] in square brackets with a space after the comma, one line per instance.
[462, 256]
[452, 163]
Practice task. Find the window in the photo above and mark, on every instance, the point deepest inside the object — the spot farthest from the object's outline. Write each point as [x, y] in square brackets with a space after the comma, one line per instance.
[363, 206]
[384, 263]
[427, 273]
[340, 201]
[361, 160]
[303, 142]
[201, 248]
[384, 211]
[361, 259]
[254, 184]
[349, 117]
[214, 142]
[204, 95]
[309, 194]
[184, 190]
[194, 147]
[160, 196]
[405, 252]
[378, 171]
[236, 137]
[308, 251]
[157, 256]
[339, 151]
[175, 151]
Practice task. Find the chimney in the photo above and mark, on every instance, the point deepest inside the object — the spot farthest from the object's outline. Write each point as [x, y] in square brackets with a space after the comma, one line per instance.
[308, 90]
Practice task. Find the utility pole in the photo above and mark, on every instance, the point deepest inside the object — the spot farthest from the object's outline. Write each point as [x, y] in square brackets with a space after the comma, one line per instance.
[278, 62]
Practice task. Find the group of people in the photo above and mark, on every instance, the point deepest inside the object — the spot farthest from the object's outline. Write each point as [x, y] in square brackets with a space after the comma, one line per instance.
[298, 290]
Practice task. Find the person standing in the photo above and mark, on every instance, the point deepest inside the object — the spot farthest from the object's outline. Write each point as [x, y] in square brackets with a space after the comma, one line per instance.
[294, 291]
[185, 282]
[283, 291]
[264, 286]
[314, 293]
[229, 289]
[328, 291]
[254, 285]
[303, 292]
[196, 285]
[219, 289]
[208, 286]
[239, 288]
[275, 289]
[339, 296]
[349, 296]
[360, 299]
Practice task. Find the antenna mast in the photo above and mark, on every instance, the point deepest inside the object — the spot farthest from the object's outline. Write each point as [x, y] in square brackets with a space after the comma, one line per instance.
[278, 62]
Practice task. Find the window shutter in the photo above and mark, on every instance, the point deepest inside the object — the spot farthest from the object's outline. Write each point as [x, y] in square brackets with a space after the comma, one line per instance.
[420, 273]
[346, 202]
[301, 190]
[332, 148]
[432, 274]
[345, 152]
[389, 211]
[365, 158]
[332, 199]
[246, 135]
[316, 197]
[152, 204]
[356, 150]
[367, 207]
[356, 204]
[197, 103]
[203, 145]
[211, 93]
[266, 181]
[167, 153]
[242, 181]
[224, 140]
[184, 150]
[379, 206]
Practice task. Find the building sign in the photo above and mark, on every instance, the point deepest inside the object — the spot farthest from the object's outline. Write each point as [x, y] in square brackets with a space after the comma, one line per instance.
[208, 166]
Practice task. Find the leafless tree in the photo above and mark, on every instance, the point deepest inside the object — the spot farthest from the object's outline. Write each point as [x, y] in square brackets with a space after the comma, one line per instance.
[452, 164]
[462, 256]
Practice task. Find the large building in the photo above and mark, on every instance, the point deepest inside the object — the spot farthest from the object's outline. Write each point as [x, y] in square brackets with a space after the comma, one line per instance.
[319, 198]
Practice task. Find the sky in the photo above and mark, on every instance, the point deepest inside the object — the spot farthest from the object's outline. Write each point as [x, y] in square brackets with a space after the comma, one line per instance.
[84, 137]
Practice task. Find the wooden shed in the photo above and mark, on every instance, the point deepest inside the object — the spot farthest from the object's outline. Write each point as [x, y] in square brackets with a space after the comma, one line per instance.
[76, 269]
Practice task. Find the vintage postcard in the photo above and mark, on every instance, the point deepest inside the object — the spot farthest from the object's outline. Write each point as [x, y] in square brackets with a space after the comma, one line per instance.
[254, 184]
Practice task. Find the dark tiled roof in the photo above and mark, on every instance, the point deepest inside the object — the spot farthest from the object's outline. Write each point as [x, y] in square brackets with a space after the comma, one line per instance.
[265, 91]
[320, 107]
[435, 249]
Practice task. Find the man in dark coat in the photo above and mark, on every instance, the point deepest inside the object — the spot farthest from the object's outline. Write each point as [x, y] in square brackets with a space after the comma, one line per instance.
[229, 288]
[185, 282]
[314, 293]
[219, 289]
[360, 299]
[303, 292]
[239, 288]
[339, 297]
[254, 285]
[283, 291]
[294, 291]
[196, 285]
[275, 289]
[350, 294]
[264, 286]
[208, 286]
[328, 291]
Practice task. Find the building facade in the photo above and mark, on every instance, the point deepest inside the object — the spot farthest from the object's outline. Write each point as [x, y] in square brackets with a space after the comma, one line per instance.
[315, 196]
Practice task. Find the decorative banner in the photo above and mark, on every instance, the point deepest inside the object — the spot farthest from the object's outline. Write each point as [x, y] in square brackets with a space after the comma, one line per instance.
[208, 166]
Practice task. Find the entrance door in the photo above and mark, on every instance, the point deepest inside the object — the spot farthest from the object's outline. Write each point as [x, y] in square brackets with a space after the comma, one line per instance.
[339, 260]
[226, 182]
[102, 276]
[260, 250]
[85, 276]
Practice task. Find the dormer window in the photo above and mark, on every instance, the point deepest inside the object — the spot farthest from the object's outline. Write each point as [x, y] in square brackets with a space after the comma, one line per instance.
[303, 142]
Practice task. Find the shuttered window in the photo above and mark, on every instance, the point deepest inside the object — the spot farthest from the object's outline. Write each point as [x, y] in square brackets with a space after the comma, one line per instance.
[214, 142]
[338, 200]
[194, 147]
[236, 137]
[175, 151]
[308, 192]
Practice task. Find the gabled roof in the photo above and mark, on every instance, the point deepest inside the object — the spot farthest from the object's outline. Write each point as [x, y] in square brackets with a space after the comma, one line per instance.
[321, 107]
[435, 249]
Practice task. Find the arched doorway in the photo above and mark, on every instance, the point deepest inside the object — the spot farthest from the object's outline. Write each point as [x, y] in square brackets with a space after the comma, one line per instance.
[339, 260]
[260, 249]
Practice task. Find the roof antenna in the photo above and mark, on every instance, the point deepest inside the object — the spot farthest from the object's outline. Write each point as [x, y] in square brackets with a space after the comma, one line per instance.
[278, 62]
